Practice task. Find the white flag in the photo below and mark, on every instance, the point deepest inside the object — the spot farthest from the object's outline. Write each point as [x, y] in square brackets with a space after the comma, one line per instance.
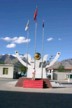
[27, 26]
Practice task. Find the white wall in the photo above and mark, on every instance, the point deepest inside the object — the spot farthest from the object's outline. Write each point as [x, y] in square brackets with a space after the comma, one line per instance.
[10, 71]
[60, 75]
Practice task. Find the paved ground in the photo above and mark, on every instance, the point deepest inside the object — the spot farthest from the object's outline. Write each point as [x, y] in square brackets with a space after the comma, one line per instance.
[18, 97]
[10, 99]
[9, 85]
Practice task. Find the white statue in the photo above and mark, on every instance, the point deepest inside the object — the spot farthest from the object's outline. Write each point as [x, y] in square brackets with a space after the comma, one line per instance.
[37, 66]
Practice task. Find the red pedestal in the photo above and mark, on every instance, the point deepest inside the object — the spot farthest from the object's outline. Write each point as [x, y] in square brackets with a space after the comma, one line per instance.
[33, 83]
[37, 83]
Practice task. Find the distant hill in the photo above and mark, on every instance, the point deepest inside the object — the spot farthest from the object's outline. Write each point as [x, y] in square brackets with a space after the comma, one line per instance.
[10, 59]
[67, 63]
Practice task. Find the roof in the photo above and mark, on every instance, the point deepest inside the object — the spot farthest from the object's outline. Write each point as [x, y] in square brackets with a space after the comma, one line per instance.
[6, 65]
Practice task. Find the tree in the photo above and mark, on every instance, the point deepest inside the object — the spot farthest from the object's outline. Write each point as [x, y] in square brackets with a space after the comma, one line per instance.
[61, 68]
[23, 69]
[1, 62]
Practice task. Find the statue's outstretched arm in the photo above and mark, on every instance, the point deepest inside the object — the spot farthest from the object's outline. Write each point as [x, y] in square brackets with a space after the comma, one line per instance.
[21, 61]
[54, 60]
[45, 57]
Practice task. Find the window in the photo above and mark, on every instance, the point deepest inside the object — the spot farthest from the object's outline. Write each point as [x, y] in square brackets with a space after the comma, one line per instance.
[5, 71]
[70, 76]
[49, 77]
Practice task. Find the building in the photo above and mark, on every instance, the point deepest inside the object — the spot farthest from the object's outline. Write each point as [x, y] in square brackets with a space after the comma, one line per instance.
[49, 73]
[6, 71]
[53, 74]
[67, 74]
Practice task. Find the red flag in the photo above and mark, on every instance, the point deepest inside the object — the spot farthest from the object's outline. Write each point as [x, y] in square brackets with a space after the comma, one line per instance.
[35, 14]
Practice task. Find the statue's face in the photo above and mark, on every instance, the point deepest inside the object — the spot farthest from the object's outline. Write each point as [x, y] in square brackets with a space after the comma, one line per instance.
[37, 56]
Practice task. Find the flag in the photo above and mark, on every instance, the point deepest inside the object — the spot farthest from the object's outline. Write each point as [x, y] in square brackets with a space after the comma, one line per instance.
[27, 26]
[43, 24]
[35, 14]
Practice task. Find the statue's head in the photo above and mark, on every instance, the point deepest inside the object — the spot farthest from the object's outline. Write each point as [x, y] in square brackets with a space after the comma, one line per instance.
[37, 56]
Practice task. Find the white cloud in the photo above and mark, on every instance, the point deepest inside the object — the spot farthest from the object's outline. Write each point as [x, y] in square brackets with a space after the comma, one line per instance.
[21, 40]
[14, 38]
[17, 40]
[49, 39]
[27, 40]
[8, 39]
[12, 45]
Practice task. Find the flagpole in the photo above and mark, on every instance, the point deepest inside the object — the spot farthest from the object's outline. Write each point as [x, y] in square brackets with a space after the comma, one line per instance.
[27, 45]
[35, 19]
[27, 29]
[35, 46]
[42, 49]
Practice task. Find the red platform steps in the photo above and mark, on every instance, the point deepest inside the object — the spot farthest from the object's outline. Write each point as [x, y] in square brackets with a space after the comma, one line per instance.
[33, 83]
[37, 83]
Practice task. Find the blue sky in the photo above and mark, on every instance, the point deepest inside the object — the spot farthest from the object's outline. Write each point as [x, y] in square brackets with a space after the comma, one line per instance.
[57, 16]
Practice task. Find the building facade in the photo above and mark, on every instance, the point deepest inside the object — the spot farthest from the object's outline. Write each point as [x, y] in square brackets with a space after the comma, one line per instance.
[6, 70]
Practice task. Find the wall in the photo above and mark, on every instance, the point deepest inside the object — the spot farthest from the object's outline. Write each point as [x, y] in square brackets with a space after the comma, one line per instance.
[60, 75]
[10, 70]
